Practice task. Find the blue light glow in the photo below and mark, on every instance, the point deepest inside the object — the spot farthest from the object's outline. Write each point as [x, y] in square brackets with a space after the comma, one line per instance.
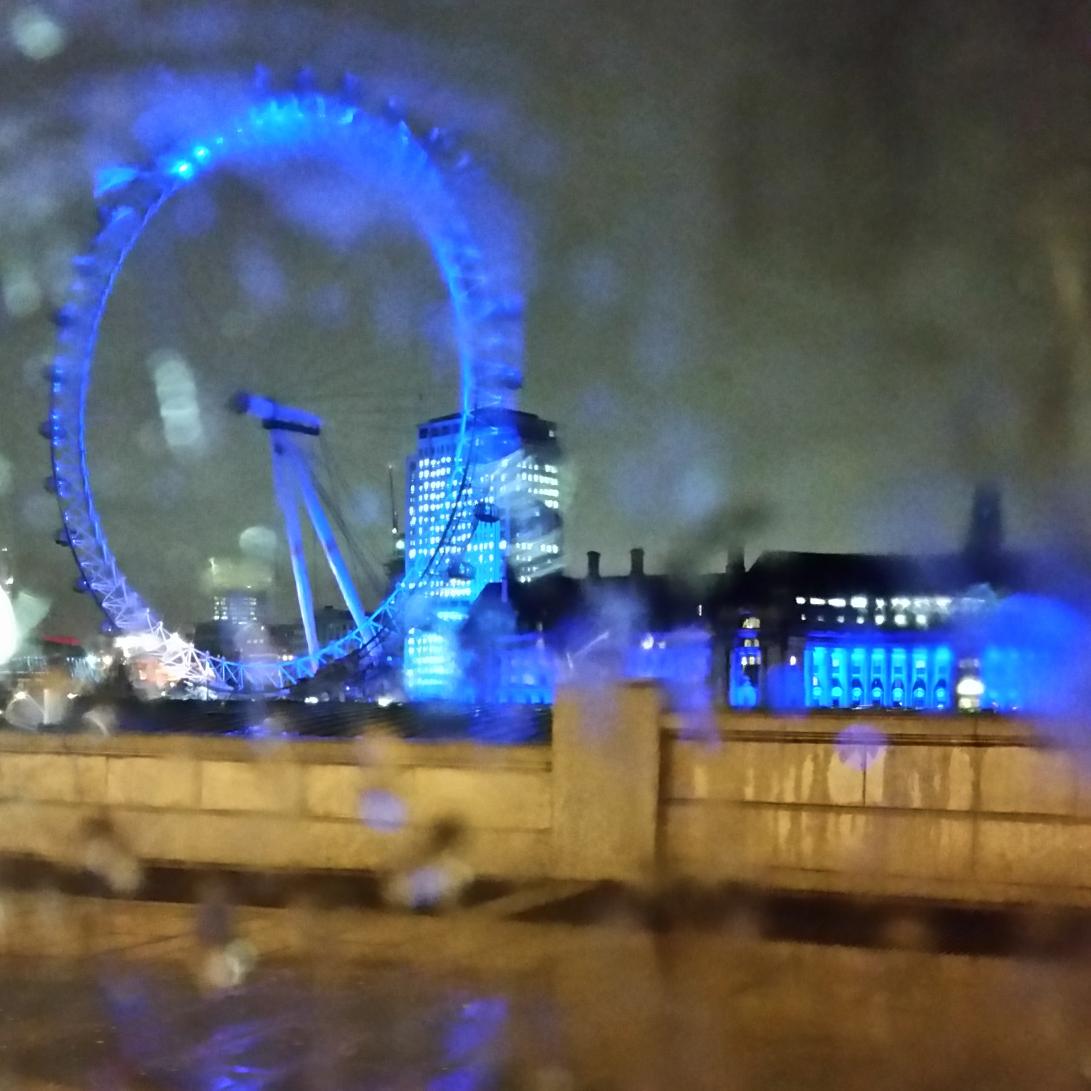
[471, 1046]
[1021, 655]
[108, 179]
[859, 745]
[382, 810]
[843, 673]
[489, 350]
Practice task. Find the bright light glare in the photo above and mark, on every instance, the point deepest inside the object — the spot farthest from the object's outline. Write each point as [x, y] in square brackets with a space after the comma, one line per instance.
[970, 687]
[36, 34]
[258, 541]
[22, 293]
[9, 633]
[177, 394]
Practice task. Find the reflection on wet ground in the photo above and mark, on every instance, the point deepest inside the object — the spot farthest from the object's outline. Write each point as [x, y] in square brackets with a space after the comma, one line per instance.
[113, 995]
[280, 1030]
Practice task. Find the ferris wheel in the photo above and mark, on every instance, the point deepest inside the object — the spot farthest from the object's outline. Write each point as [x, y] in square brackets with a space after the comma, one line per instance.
[428, 174]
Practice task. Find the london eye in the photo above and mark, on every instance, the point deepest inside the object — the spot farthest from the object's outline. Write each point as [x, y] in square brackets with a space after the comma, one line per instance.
[429, 175]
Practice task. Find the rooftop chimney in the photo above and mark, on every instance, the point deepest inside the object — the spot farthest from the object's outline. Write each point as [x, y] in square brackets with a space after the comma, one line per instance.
[985, 537]
[636, 562]
[736, 560]
[593, 558]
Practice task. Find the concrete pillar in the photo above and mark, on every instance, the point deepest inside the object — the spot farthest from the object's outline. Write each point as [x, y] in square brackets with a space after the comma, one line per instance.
[606, 782]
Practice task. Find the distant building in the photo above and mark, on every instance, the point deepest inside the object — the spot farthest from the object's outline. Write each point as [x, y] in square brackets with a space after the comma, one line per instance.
[507, 525]
[819, 630]
[794, 631]
[331, 623]
[237, 628]
[288, 640]
[238, 589]
[238, 606]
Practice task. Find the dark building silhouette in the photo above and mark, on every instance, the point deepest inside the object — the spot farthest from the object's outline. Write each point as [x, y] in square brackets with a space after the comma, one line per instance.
[795, 630]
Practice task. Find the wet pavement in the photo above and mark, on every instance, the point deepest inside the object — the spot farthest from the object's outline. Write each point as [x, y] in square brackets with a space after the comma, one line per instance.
[122, 995]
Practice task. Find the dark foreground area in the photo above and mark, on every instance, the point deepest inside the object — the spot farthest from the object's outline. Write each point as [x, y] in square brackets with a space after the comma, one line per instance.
[270, 717]
[1013, 929]
[124, 995]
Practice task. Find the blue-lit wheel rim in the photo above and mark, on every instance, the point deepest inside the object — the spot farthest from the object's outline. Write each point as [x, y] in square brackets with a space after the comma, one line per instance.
[429, 174]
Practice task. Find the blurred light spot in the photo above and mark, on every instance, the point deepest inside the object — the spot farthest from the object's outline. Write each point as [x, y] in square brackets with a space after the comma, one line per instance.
[29, 611]
[699, 492]
[9, 633]
[24, 712]
[22, 293]
[337, 207]
[106, 857]
[177, 395]
[36, 34]
[259, 541]
[6, 475]
[859, 745]
[111, 178]
[261, 277]
[100, 720]
[382, 810]
[229, 966]
[267, 734]
[438, 885]
[369, 506]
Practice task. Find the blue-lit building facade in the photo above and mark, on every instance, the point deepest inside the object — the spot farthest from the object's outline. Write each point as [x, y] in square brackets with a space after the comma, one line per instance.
[849, 631]
[858, 650]
[521, 642]
[506, 526]
[793, 631]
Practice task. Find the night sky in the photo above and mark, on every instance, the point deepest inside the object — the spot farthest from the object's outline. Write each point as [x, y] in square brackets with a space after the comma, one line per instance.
[825, 263]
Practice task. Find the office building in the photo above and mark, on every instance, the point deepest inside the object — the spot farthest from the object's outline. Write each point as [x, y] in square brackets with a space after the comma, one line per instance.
[495, 518]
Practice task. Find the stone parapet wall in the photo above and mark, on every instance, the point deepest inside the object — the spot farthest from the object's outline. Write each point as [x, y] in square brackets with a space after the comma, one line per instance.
[195, 801]
[962, 808]
[976, 808]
